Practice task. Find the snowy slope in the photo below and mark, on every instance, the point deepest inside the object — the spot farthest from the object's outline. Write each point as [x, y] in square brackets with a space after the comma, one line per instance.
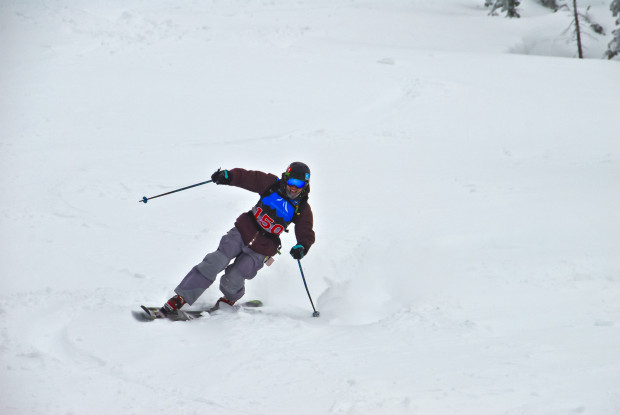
[465, 192]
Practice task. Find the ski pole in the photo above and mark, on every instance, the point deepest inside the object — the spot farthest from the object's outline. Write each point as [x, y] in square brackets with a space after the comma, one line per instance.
[316, 313]
[146, 199]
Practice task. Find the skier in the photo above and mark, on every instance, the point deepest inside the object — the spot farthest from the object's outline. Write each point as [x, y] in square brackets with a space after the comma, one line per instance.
[255, 238]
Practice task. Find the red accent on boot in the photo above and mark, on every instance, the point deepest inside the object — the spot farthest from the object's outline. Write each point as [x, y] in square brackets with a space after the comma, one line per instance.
[226, 300]
[176, 302]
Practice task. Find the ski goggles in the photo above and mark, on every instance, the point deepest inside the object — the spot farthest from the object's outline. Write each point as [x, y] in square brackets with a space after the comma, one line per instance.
[296, 182]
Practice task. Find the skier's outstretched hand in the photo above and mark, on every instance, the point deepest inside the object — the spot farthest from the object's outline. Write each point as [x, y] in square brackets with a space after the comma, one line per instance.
[221, 177]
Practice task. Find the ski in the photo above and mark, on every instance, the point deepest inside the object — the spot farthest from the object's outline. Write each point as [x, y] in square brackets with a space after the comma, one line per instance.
[153, 313]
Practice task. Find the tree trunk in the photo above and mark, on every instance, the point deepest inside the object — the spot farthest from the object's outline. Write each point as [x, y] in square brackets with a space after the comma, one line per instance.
[577, 29]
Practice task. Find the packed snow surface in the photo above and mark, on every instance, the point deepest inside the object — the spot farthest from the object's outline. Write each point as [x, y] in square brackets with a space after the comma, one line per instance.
[465, 189]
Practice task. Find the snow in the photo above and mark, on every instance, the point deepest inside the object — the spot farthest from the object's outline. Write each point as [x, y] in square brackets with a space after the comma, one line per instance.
[465, 192]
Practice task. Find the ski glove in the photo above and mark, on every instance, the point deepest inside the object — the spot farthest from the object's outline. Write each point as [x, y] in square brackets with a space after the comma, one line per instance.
[221, 177]
[298, 251]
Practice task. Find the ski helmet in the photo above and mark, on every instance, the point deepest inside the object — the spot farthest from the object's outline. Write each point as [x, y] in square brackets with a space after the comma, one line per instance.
[299, 171]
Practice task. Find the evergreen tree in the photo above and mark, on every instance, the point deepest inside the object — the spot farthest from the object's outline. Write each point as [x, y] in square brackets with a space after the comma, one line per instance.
[508, 6]
[613, 48]
[583, 25]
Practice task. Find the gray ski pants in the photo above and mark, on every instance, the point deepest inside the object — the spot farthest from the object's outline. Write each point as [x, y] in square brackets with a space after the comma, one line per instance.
[232, 284]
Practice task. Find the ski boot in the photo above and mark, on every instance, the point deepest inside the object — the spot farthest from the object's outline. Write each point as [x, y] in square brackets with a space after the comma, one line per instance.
[171, 308]
[221, 300]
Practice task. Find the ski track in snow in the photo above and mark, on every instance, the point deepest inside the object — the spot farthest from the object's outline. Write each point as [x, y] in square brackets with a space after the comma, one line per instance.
[466, 208]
